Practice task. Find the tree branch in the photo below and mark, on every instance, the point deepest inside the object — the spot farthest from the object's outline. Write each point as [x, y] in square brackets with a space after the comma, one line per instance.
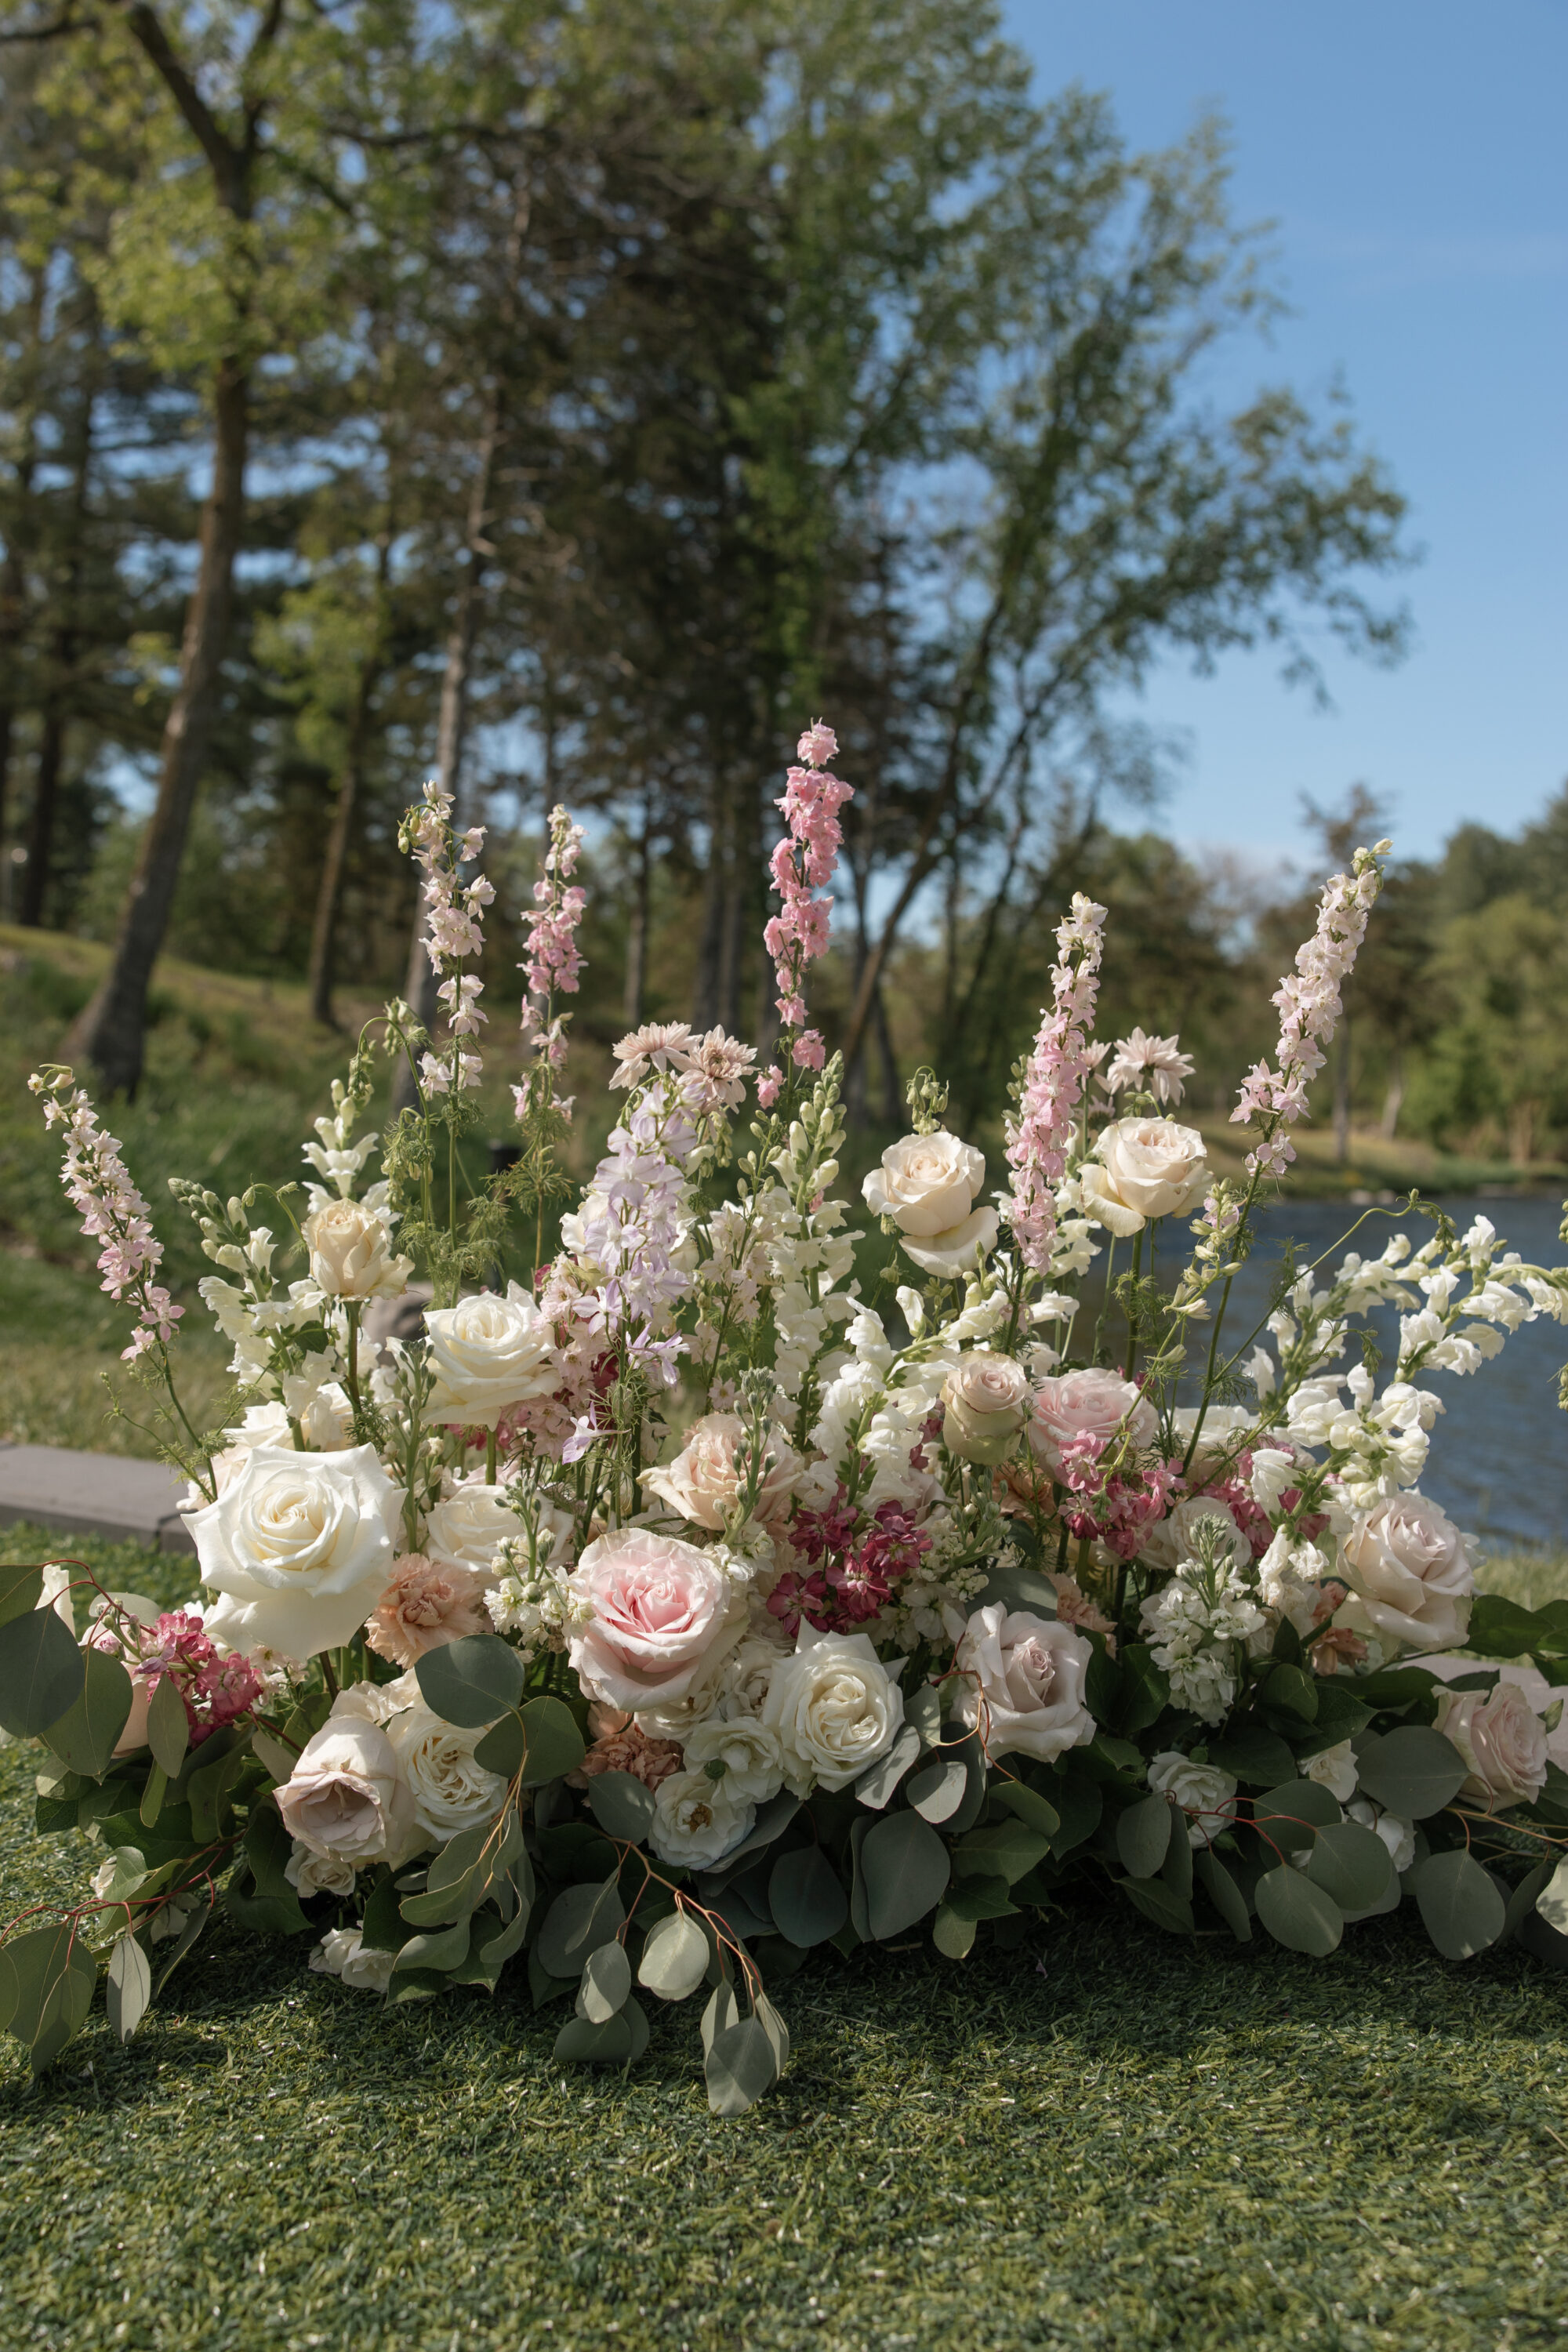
[221, 154]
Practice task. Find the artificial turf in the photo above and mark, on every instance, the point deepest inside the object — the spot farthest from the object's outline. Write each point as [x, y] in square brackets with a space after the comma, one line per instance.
[1110, 2137]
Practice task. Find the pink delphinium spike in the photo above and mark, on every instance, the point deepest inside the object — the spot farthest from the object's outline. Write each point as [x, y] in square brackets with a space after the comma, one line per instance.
[453, 932]
[112, 1210]
[802, 863]
[553, 960]
[1038, 1138]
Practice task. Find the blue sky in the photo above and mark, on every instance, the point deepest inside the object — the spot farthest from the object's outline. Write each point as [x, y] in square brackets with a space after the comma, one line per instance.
[1414, 160]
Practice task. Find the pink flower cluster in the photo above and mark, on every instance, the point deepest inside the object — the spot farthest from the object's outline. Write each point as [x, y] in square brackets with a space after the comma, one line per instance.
[453, 931]
[214, 1689]
[553, 960]
[856, 1564]
[112, 1210]
[1038, 1138]
[1118, 1511]
[802, 863]
[1310, 1006]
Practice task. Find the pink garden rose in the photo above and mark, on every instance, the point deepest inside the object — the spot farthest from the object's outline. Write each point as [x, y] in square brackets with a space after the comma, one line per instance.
[1501, 1737]
[1410, 1576]
[660, 1615]
[1092, 1403]
[1021, 1682]
[346, 1796]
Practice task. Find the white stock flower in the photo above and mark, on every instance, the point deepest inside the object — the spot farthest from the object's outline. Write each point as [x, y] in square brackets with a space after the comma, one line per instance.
[1203, 1791]
[298, 1547]
[1196, 1625]
[1145, 1168]
[1172, 1539]
[489, 1352]
[835, 1707]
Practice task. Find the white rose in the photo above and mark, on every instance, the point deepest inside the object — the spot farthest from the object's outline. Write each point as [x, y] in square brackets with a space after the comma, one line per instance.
[926, 1184]
[1174, 1539]
[299, 1548]
[1145, 1168]
[1020, 1683]
[1540, 1693]
[326, 1425]
[468, 1527]
[344, 1952]
[1203, 1793]
[659, 1614]
[984, 1395]
[319, 1873]
[749, 1671]
[1092, 1403]
[346, 1798]
[748, 1750]
[701, 1485]
[1397, 1835]
[697, 1820]
[1501, 1737]
[835, 1707]
[436, 1758]
[1410, 1576]
[1333, 1769]
[489, 1352]
[950, 1254]
[350, 1253]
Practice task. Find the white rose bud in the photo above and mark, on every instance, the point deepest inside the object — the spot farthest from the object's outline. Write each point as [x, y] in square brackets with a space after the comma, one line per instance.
[351, 1253]
[985, 1396]
[1146, 1168]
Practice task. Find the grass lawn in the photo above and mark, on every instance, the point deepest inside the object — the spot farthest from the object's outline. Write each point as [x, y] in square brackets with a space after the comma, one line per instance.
[1108, 2138]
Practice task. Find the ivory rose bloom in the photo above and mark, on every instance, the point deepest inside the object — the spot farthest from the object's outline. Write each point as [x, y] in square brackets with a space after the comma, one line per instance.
[489, 1352]
[1501, 1737]
[835, 1708]
[985, 1396]
[344, 1952]
[1145, 1168]
[346, 1798]
[927, 1184]
[1203, 1793]
[1092, 1403]
[436, 1758]
[748, 1750]
[701, 1485]
[1410, 1576]
[659, 1616]
[1021, 1682]
[697, 1820]
[1172, 1539]
[298, 1547]
[425, 1606]
[319, 1873]
[350, 1253]
[468, 1527]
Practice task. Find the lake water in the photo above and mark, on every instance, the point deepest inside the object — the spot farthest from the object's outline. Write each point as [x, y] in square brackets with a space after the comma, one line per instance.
[1499, 1462]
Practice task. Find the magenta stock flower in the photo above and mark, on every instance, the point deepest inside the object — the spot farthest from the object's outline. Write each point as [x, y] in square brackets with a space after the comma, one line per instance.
[803, 863]
[1038, 1138]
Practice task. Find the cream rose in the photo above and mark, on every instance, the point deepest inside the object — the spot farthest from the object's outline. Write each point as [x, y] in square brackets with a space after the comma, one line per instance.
[1410, 1576]
[436, 1758]
[1020, 1683]
[1333, 1769]
[927, 1184]
[748, 1750]
[701, 1485]
[346, 1798]
[1203, 1793]
[319, 1873]
[697, 1820]
[984, 1395]
[489, 1352]
[1501, 1737]
[1145, 1168]
[344, 1952]
[298, 1547]
[468, 1527]
[1172, 1539]
[834, 1707]
[660, 1615]
[1092, 1403]
[350, 1253]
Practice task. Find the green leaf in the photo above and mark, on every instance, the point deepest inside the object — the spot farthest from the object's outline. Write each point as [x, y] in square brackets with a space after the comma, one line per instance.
[444, 1948]
[772, 1820]
[1029, 1806]
[1341, 1714]
[1290, 1817]
[541, 1985]
[472, 1681]
[1146, 1690]
[1499, 1628]
[84, 1737]
[269, 1848]
[980, 1899]
[1460, 1903]
[1142, 1835]
[1082, 1804]
[1552, 1904]
[938, 1789]
[878, 1781]
[208, 1791]
[577, 1922]
[806, 1896]
[130, 1870]
[1256, 1757]
[168, 1732]
[52, 1974]
[459, 1878]
[1160, 1905]
[922, 1707]
[1177, 1870]
[906, 1871]
[607, 1982]
[1224, 1893]
[777, 2031]
[675, 1958]
[581, 2042]
[1398, 1687]
[1413, 1770]
[153, 1796]
[1007, 1851]
[965, 1748]
[721, 2013]
[740, 2065]
[503, 1747]
[621, 1804]
[555, 1744]
[1292, 1692]
[1301, 1916]
[130, 1987]
[953, 1935]
[21, 1590]
[41, 1673]
[382, 1927]
[1521, 1899]
[1351, 1863]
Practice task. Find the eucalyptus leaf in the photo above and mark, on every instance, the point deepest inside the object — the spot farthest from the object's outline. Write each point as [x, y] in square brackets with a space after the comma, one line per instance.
[168, 1732]
[607, 1982]
[878, 1781]
[1552, 1904]
[1351, 1863]
[1007, 1850]
[938, 1789]
[621, 1804]
[581, 2042]
[675, 1958]
[554, 1744]
[1413, 1770]
[1460, 1904]
[739, 2066]
[472, 1681]
[906, 1870]
[577, 1922]
[806, 1896]
[1224, 1893]
[1142, 1835]
[85, 1736]
[721, 2013]
[1017, 1796]
[21, 1588]
[1297, 1913]
[41, 1673]
[130, 1987]
[1160, 1905]
[951, 1933]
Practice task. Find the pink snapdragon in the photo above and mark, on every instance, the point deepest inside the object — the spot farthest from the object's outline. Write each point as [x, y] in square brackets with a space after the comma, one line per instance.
[453, 931]
[112, 1210]
[1038, 1138]
[1310, 1006]
[553, 960]
[803, 863]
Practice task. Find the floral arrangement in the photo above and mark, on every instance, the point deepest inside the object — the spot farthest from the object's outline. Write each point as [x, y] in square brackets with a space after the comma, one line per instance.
[694, 1601]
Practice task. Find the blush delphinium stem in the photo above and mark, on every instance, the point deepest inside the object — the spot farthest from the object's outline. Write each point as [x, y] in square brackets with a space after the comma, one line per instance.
[803, 863]
[1051, 1084]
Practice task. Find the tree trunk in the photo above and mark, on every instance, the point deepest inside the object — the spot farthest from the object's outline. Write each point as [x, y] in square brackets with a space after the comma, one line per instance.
[62, 662]
[1394, 1099]
[109, 1033]
[329, 895]
[710, 941]
[637, 927]
[892, 1093]
[1342, 1095]
[45, 790]
[13, 569]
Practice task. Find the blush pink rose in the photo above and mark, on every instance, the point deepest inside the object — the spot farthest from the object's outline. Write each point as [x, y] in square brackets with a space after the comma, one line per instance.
[660, 1615]
[1092, 1403]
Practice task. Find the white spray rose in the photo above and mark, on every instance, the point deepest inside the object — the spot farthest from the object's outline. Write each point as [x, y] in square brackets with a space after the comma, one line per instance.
[298, 1547]
[344, 1952]
[1021, 1684]
[436, 1758]
[489, 1352]
[1145, 1168]
[1410, 1576]
[1204, 1793]
[350, 1253]
[748, 1750]
[346, 1798]
[927, 1184]
[834, 1707]
[985, 1396]
[319, 1873]
[1501, 1737]
[695, 1819]
[1333, 1769]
